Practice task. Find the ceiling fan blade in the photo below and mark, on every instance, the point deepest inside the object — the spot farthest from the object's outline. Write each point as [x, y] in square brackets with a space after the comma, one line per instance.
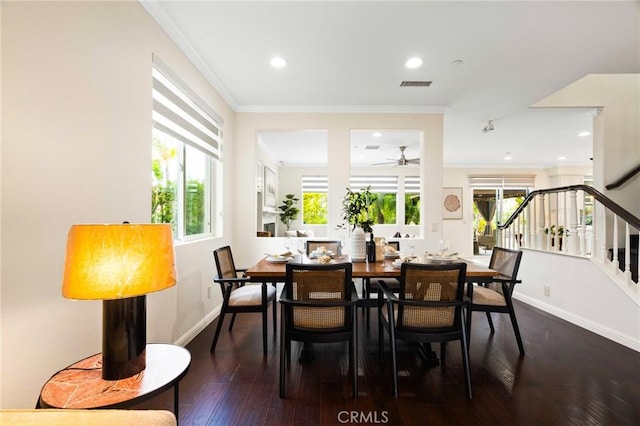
[413, 160]
[385, 163]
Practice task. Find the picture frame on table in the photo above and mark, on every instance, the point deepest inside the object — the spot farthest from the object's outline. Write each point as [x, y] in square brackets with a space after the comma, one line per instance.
[452, 203]
[269, 188]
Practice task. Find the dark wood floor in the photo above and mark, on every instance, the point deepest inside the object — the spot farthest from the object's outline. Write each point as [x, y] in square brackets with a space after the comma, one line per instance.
[568, 376]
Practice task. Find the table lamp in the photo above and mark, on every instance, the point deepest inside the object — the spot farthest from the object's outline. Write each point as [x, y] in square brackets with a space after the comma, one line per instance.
[119, 264]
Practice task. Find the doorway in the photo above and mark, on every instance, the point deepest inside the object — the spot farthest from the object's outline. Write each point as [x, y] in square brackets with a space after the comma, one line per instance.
[491, 207]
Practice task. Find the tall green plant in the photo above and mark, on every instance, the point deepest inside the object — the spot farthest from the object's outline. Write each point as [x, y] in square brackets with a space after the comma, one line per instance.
[289, 210]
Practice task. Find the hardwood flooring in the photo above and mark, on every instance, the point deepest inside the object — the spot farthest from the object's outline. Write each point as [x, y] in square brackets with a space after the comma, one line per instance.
[568, 376]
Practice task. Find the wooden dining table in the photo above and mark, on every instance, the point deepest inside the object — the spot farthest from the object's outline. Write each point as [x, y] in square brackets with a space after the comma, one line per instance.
[268, 271]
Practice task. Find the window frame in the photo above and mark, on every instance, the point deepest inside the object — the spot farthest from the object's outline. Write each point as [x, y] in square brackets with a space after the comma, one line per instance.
[181, 115]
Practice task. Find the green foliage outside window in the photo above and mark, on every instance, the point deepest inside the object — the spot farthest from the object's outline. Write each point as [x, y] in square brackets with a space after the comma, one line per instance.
[194, 208]
[383, 209]
[412, 209]
[314, 208]
[163, 192]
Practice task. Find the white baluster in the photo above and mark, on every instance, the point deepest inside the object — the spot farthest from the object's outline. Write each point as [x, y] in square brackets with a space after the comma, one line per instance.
[627, 253]
[614, 262]
[573, 224]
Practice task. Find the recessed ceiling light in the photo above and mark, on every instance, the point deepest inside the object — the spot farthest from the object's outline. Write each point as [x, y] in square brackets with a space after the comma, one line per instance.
[583, 134]
[377, 134]
[508, 156]
[562, 158]
[278, 62]
[414, 62]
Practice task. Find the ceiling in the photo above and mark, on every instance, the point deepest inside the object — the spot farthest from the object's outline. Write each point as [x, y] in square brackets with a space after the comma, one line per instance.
[349, 57]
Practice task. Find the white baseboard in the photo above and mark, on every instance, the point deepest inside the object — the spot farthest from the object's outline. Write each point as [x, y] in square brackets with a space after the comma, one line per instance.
[196, 329]
[628, 341]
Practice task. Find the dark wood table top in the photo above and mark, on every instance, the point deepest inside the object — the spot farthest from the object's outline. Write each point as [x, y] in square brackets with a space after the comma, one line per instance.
[265, 270]
[80, 385]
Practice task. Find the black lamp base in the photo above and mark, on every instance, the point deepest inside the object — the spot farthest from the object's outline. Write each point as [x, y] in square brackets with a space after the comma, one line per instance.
[124, 337]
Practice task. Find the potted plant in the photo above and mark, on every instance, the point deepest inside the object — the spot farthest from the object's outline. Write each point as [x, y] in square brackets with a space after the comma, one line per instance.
[355, 216]
[289, 210]
[561, 233]
[355, 209]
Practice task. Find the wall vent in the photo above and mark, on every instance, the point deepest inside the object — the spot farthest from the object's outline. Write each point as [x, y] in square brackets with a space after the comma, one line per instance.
[415, 83]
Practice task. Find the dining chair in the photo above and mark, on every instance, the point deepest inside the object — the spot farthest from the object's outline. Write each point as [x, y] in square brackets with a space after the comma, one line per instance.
[318, 305]
[371, 287]
[495, 296]
[428, 307]
[330, 245]
[239, 295]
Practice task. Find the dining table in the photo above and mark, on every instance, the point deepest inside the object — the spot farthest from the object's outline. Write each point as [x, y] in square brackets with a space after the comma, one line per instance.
[274, 270]
[270, 270]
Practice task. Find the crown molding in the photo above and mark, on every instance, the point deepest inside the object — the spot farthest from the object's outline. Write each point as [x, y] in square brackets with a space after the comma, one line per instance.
[158, 13]
[381, 109]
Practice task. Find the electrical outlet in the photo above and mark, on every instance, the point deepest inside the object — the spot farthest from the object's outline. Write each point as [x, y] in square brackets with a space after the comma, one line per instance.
[547, 291]
[209, 292]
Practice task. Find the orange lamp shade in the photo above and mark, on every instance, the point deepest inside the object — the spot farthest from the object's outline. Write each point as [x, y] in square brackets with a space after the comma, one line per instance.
[116, 261]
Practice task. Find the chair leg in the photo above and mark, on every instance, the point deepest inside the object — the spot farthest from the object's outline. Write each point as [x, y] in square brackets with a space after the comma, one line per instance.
[275, 317]
[516, 329]
[465, 362]
[443, 352]
[392, 337]
[354, 354]
[264, 330]
[218, 328]
[380, 335]
[233, 319]
[283, 349]
[493, 330]
[366, 285]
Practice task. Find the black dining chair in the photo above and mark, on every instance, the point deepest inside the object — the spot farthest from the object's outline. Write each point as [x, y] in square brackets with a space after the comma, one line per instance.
[495, 296]
[318, 305]
[428, 307]
[330, 245]
[239, 295]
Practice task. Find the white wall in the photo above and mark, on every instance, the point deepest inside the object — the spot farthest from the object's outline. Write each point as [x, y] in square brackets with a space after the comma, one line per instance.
[76, 148]
[581, 293]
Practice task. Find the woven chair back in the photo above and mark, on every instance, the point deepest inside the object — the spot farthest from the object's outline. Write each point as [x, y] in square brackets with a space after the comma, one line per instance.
[225, 266]
[435, 285]
[319, 285]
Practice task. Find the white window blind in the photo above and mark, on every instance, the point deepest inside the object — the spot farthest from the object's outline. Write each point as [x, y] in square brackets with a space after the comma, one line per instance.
[502, 181]
[379, 184]
[412, 184]
[182, 114]
[315, 184]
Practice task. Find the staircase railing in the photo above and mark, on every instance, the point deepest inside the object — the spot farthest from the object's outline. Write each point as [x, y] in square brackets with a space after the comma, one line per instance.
[624, 178]
[558, 220]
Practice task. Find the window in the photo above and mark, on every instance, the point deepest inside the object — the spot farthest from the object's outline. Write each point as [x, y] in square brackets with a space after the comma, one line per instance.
[186, 159]
[412, 200]
[383, 210]
[314, 200]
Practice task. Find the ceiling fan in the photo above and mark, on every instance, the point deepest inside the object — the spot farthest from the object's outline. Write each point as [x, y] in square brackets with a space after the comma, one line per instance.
[402, 161]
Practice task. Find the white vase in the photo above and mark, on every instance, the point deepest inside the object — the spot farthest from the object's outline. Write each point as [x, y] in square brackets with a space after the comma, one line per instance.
[358, 249]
